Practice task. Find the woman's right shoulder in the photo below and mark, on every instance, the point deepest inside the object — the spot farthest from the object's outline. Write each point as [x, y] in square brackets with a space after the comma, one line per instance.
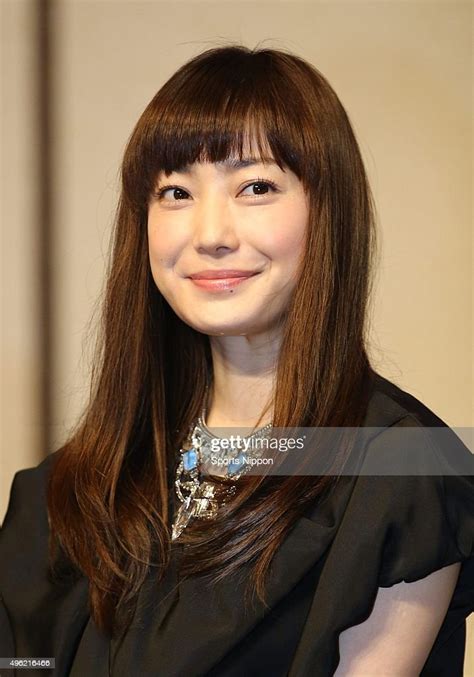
[27, 502]
[30, 596]
[24, 533]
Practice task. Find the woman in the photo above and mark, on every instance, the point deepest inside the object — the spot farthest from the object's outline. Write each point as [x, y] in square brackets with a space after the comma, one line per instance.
[237, 297]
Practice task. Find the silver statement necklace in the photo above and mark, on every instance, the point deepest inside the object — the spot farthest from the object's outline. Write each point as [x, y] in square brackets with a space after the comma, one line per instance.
[200, 498]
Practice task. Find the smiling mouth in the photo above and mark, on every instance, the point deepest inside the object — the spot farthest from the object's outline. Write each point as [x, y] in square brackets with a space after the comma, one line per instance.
[221, 284]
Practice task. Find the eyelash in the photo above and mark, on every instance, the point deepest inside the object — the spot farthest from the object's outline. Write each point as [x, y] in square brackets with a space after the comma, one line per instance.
[159, 193]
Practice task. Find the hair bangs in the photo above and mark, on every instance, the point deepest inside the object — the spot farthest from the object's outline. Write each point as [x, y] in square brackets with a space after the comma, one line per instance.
[211, 115]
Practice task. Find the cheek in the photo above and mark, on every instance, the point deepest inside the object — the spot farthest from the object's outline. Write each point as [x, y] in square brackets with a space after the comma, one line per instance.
[163, 248]
[286, 232]
[160, 252]
[162, 258]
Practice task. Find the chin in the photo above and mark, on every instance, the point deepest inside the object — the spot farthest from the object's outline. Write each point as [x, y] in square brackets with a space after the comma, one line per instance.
[221, 329]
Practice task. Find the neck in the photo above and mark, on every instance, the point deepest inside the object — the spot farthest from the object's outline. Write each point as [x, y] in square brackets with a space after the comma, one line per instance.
[244, 371]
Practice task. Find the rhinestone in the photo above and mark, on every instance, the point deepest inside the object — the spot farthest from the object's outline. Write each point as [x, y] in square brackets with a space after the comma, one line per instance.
[190, 460]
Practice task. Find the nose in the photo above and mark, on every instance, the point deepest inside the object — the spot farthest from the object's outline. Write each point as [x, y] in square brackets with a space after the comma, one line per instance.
[214, 225]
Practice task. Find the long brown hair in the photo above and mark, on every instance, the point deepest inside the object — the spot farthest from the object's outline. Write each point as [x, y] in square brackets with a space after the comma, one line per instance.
[110, 489]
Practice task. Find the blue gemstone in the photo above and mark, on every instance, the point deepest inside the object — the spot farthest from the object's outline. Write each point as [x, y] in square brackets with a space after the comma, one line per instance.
[190, 460]
[236, 464]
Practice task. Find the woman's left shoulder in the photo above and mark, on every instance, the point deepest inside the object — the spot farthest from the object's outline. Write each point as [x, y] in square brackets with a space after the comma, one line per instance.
[403, 435]
[389, 403]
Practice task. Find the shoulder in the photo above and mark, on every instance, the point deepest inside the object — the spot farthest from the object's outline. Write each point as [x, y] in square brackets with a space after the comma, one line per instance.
[26, 515]
[403, 436]
[25, 530]
[389, 403]
[28, 495]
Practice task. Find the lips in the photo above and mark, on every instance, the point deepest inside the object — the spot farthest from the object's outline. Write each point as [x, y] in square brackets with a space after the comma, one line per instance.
[221, 274]
[228, 280]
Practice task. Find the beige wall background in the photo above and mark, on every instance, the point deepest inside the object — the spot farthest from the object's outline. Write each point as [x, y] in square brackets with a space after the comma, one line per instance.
[403, 70]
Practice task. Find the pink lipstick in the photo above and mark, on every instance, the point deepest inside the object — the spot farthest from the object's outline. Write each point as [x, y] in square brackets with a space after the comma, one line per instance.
[221, 280]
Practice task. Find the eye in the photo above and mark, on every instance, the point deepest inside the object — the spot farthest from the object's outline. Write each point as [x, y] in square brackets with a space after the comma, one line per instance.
[176, 193]
[260, 187]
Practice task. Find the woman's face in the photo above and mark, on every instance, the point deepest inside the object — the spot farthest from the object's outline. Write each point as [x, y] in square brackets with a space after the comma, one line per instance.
[225, 241]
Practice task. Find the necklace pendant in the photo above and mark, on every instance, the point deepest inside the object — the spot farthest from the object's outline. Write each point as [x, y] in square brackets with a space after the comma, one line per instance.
[199, 503]
[184, 514]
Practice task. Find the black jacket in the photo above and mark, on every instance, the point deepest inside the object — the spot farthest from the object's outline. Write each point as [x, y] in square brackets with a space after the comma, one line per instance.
[372, 531]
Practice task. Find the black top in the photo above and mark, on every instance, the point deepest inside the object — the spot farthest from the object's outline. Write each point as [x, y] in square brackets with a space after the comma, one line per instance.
[372, 531]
